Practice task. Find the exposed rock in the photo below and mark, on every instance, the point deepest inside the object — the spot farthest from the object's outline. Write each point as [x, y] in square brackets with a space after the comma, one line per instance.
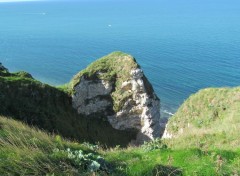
[115, 86]
[91, 96]
[167, 134]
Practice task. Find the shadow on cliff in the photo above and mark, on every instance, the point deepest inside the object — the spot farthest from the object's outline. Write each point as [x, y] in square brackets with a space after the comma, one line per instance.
[49, 108]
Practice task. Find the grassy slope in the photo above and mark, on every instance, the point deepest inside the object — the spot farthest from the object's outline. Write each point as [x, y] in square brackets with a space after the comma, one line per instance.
[209, 119]
[194, 162]
[49, 108]
[28, 151]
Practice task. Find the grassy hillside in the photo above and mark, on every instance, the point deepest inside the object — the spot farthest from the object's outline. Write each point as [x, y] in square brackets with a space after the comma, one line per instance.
[49, 108]
[29, 151]
[208, 119]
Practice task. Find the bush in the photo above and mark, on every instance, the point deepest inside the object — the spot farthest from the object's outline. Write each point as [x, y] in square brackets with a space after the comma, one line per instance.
[89, 162]
[154, 145]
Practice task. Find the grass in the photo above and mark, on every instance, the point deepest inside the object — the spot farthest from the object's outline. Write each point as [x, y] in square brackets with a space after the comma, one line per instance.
[29, 151]
[209, 119]
[26, 150]
[136, 161]
[115, 64]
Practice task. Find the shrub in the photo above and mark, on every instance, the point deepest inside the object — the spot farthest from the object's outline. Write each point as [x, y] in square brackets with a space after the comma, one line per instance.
[154, 145]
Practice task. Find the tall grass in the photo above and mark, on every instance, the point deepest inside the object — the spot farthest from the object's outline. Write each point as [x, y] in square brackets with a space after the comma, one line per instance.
[29, 151]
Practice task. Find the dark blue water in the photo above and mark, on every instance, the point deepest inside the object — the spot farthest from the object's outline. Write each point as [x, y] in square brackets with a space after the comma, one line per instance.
[182, 46]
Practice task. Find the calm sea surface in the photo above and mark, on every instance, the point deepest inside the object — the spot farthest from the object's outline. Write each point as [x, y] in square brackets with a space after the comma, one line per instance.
[182, 45]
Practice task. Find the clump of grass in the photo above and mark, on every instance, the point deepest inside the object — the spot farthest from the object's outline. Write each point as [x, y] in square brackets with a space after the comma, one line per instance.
[66, 88]
[154, 145]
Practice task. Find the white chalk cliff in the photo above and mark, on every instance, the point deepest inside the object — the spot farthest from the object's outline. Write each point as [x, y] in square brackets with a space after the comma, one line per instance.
[125, 98]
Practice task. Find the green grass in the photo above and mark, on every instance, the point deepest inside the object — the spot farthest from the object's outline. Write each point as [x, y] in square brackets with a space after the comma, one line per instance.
[136, 161]
[29, 151]
[116, 64]
[208, 119]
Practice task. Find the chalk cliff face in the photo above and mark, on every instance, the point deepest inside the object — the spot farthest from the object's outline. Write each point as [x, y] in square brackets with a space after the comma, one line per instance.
[115, 87]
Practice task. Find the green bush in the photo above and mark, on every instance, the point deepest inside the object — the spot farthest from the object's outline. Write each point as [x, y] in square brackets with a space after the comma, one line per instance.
[154, 145]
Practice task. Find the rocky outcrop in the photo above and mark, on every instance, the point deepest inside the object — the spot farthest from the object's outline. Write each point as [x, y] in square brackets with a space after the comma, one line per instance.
[167, 134]
[116, 88]
[92, 96]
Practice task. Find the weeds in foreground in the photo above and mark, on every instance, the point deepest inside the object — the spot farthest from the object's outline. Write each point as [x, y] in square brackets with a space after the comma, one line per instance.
[28, 151]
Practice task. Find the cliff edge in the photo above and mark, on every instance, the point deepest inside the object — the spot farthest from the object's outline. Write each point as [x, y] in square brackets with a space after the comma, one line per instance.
[209, 118]
[115, 88]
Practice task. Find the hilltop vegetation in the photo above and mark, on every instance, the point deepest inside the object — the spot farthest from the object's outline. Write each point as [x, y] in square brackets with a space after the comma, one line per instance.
[209, 119]
[115, 67]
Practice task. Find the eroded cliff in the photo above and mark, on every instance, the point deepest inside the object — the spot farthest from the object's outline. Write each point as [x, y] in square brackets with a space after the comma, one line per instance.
[115, 88]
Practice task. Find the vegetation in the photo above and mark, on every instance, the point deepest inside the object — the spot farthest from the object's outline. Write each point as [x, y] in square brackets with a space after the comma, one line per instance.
[205, 129]
[209, 119]
[108, 67]
[196, 162]
[29, 151]
[49, 108]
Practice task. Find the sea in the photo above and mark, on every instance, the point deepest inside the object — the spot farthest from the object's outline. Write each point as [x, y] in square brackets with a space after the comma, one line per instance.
[182, 45]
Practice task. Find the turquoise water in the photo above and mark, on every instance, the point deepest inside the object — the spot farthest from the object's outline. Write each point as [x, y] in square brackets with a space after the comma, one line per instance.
[182, 46]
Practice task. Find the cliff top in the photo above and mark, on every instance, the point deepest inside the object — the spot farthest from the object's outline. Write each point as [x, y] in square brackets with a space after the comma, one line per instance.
[5, 73]
[116, 64]
[116, 68]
